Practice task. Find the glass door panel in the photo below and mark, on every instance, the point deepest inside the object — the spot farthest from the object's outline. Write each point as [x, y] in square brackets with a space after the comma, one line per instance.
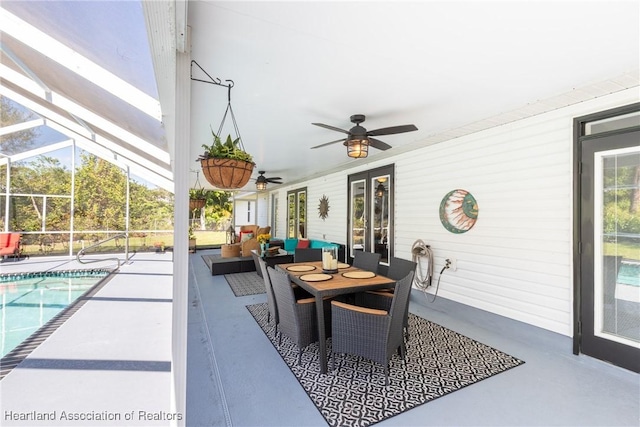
[380, 215]
[609, 267]
[297, 213]
[370, 225]
[302, 214]
[291, 215]
[617, 247]
[357, 217]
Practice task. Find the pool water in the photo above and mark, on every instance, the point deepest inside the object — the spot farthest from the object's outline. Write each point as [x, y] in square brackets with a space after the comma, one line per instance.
[30, 300]
[629, 273]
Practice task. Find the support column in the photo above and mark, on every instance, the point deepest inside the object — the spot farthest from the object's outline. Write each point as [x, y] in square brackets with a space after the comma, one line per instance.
[181, 231]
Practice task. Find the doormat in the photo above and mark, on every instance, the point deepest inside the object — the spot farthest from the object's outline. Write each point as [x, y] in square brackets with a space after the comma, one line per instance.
[243, 284]
[439, 361]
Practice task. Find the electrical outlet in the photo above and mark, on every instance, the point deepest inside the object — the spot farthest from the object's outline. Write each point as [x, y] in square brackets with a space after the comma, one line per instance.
[453, 263]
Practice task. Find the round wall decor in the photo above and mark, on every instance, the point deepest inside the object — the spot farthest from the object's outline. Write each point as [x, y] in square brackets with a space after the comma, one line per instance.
[323, 207]
[458, 211]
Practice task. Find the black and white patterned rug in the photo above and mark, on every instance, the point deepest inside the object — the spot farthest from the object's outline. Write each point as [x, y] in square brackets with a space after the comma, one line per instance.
[248, 283]
[439, 361]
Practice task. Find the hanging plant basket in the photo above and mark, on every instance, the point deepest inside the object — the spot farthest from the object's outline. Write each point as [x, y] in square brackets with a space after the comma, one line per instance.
[226, 165]
[226, 173]
[197, 195]
[196, 204]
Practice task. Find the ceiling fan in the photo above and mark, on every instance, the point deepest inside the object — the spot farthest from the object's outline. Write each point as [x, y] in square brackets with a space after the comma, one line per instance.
[359, 139]
[262, 181]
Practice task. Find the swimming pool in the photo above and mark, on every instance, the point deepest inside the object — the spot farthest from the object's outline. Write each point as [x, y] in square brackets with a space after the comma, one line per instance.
[29, 300]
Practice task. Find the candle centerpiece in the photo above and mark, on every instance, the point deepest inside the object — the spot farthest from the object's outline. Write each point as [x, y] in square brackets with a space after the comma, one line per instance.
[330, 259]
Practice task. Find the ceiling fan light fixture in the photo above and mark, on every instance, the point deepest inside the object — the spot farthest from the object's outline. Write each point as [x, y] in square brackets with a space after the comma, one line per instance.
[261, 183]
[358, 148]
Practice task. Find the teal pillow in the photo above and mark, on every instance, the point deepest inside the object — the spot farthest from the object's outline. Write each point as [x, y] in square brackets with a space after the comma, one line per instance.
[290, 244]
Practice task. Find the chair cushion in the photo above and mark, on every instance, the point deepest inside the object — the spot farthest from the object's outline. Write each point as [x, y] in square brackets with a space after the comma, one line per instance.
[302, 244]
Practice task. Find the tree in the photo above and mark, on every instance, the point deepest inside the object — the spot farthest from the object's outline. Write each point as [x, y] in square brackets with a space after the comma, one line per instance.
[100, 195]
[634, 208]
[37, 178]
[219, 206]
[15, 142]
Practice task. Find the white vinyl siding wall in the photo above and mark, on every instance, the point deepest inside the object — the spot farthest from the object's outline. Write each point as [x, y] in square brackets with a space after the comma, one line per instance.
[517, 260]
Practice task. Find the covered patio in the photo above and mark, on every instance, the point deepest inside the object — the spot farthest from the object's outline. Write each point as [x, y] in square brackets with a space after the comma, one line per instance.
[502, 106]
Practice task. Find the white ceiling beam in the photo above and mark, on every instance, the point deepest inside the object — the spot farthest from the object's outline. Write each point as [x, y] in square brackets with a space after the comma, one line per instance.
[74, 130]
[19, 127]
[75, 62]
[84, 114]
[41, 150]
[28, 71]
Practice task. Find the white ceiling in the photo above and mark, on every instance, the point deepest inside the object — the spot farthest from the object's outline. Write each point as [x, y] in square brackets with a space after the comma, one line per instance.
[449, 67]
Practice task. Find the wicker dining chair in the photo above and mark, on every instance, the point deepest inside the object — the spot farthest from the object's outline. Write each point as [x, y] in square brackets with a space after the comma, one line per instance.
[297, 318]
[371, 333]
[381, 299]
[368, 261]
[271, 298]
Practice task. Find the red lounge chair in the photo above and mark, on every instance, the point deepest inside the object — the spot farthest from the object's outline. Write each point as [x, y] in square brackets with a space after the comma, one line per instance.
[10, 244]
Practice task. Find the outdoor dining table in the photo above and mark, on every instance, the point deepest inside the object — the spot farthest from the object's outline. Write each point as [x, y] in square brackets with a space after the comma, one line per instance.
[338, 284]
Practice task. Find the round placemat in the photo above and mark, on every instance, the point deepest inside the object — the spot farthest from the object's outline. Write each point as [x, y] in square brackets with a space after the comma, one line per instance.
[359, 274]
[342, 265]
[301, 268]
[316, 277]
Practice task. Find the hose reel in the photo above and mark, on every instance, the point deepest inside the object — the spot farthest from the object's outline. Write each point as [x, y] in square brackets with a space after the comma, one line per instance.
[421, 253]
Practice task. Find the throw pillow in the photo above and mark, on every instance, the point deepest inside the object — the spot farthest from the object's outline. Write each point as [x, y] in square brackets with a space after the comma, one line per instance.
[246, 236]
[303, 244]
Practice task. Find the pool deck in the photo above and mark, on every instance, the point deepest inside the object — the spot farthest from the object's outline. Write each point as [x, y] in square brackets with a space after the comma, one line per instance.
[87, 371]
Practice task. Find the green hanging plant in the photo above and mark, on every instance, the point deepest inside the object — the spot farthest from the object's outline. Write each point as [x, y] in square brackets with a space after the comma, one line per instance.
[230, 149]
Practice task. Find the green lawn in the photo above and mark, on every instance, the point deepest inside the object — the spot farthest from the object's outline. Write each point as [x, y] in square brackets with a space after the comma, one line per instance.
[150, 243]
[625, 250]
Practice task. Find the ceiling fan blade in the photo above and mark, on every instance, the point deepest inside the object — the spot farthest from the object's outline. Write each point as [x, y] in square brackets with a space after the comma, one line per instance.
[322, 125]
[329, 143]
[376, 143]
[391, 130]
[274, 179]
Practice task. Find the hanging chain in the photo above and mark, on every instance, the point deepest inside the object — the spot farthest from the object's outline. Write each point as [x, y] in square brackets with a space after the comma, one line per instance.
[216, 81]
[197, 183]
